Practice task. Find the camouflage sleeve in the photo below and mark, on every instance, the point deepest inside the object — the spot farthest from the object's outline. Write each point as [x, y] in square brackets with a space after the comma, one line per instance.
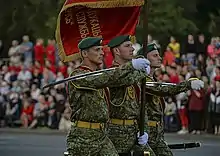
[124, 75]
[168, 90]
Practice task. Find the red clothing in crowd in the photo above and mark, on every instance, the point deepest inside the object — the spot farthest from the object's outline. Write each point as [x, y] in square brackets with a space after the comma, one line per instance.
[50, 52]
[196, 102]
[108, 58]
[39, 53]
[183, 117]
[169, 58]
[174, 79]
[17, 69]
[63, 70]
[28, 111]
[53, 69]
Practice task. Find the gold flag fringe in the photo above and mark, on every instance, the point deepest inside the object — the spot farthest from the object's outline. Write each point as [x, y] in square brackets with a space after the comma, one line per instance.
[98, 4]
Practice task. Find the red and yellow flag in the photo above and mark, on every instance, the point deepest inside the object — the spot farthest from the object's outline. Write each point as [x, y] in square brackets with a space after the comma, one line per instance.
[79, 19]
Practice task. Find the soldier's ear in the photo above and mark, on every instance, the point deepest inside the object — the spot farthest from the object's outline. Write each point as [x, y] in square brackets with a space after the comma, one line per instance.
[116, 51]
[84, 53]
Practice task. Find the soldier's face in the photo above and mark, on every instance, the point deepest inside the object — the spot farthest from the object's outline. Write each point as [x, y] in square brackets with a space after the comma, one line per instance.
[125, 50]
[94, 54]
[155, 59]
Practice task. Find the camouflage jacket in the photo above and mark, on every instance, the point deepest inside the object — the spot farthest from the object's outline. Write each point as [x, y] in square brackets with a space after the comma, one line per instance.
[87, 96]
[124, 99]
[155, 101]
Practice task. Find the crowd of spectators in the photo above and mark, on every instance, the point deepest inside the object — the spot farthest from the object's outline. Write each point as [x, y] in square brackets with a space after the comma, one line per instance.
[32, 65]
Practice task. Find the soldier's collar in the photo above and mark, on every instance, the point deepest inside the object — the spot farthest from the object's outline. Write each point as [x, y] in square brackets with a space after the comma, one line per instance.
[115, 64]
[85, 68]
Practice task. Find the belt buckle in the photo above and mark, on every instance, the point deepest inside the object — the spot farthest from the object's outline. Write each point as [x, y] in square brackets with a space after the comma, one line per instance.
[135, 122]
[158, 123]
[102, 126]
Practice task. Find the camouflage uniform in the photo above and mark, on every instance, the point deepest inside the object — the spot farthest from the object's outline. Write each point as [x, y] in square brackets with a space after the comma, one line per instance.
[154, 114]
[124, 115]
[88, 100]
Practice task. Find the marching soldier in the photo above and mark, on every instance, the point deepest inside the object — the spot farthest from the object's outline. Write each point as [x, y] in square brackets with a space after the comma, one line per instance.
[124, 103]
[155, 102]
[89, 100]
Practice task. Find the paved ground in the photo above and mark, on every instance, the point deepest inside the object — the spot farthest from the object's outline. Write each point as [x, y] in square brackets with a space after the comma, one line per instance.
[51, 143]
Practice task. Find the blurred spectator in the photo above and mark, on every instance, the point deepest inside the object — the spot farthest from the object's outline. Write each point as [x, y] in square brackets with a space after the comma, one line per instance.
[201, 64]
[198, 73]
[6, 73]
[210, 67]
[190, 49]
[50, 66]
[37, 77]
[62, 68]
[13, 107]
[5, 88]
[196, 108]
[214, 106]
[51, 112]
[35, 92]
[174, 78]
[50, 52]
[175, 47]
[108, 58]
[215, 72]
[40, 113]
[27, 50]
[39, 51]
[24, 74]
[201, 47]
[182, 100]
[14, 53]
[27, 113]
[169, 57]
[170, 114]
[48, 76]
[211, 48]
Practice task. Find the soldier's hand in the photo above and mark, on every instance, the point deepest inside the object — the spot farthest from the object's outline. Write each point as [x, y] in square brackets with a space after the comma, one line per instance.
[196, 84]
[140, 64]
[142, 140]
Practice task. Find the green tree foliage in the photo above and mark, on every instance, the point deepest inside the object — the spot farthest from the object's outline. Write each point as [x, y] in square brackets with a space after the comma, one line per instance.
[166, 18]
[35, 17]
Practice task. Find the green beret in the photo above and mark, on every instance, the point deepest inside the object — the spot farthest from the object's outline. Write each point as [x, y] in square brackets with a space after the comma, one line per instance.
[89, 42]
[150, 47]
[119, 40]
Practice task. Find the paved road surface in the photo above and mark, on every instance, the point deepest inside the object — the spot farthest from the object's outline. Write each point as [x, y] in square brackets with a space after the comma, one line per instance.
[41, 144]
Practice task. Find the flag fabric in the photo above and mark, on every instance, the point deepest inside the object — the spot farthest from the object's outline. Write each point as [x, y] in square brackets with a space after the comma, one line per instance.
[79, 19]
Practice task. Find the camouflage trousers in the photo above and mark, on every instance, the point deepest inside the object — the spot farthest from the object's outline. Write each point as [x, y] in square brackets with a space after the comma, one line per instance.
[89, 142]
[157, 142]
[124, 138]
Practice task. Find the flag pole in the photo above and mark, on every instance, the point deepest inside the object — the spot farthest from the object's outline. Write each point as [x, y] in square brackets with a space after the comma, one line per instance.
[146, 10]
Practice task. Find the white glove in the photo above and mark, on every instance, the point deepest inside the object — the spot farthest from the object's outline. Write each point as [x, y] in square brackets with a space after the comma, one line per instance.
[140, 64]
[142, 140]
[197, 84]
